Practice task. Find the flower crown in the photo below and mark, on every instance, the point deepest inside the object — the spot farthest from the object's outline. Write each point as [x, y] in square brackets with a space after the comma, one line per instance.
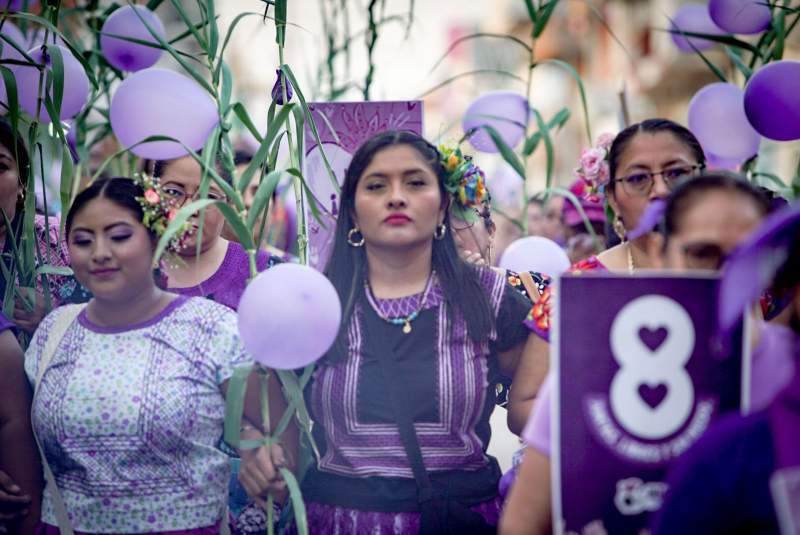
[465, 181]
[593, 167]
[159, 210]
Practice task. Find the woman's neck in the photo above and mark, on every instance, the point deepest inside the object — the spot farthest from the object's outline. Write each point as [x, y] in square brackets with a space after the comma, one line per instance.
[132, 310]
[190, 270]
[398, 273]
[620, 257]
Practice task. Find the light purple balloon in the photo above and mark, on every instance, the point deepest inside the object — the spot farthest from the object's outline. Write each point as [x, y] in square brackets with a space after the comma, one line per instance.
[125, 55]
[772, 100]
[535, 253]
[505, 111]
[693, 18]
[718, 162]
[289, 316]
[740, 16]
[160, 102]
[76, 85]
[717, 119]
[13, 33]
[17, 5]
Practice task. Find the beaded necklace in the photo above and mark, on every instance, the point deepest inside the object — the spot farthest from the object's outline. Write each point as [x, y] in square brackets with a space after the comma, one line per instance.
[405, 321]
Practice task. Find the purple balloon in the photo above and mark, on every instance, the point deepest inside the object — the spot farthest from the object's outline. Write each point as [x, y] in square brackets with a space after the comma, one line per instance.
[740, 16]
[772, 100]
[13, 33]
[18, 5]
[505, 111]
[76, 85]
[289, 316]
[126, 22]
[160, 102]
[693, 18]
[718, 162]
[717, 119]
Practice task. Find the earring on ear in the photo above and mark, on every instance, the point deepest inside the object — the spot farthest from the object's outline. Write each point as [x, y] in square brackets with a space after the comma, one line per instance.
[619, 227]
[355, 238]
[440, 232]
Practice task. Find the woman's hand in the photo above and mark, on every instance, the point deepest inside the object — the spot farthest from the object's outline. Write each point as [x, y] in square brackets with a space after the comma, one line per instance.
[13, 503]
[259, 473]
[29, 320]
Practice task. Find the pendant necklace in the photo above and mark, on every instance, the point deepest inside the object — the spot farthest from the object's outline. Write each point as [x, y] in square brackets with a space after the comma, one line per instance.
[405, 321]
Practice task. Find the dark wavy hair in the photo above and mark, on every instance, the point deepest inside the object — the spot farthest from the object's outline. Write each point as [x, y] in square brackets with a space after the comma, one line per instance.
[347, 265]
[16, 146]
[690, 191]
[651, 126]
[119, 190]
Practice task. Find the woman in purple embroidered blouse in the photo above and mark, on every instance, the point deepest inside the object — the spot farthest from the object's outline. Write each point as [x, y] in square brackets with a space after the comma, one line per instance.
[130, 408]
[411, 304]
[221, 271]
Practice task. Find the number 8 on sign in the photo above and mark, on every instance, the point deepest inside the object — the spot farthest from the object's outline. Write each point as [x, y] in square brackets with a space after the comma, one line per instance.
[652, 339]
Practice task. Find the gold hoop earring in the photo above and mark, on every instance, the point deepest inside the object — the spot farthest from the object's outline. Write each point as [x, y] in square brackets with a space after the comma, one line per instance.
[351, 237]
[619, 227]
[440, 231]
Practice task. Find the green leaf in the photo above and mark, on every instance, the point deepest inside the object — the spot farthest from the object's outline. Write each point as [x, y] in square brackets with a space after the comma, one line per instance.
[579, 207]
[722, 39]
[234, 404]
[213, 31]
[187, 21]
[262, 197]
[232, 27]
[737, 60]
[10, 82]
[779, 24]
[48, 269]
[176, 224]
[548, 146]
[542, 17]
[263, 150]
[452, 79]
[243, 233]
[577, 77]
[558, 121]
[531, 11]
[505, 151]
[280, 22]
[227, 89]
[241, 113]
[57, 73]
[300, 519]
[478, 35]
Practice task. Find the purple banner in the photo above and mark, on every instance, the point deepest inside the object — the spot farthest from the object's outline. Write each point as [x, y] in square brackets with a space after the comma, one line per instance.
[637, 383]
[343, 127]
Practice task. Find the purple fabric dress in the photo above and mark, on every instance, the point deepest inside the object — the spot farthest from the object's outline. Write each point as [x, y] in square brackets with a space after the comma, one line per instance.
[227, 284]
[364, 469]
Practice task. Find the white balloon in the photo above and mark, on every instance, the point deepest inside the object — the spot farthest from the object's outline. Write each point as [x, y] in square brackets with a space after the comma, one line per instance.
[535, 253]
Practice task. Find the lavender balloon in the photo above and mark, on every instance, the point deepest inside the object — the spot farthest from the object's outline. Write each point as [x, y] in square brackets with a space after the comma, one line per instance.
[505, 111]
[159, 102]
[12, 32]
[740, 16]
[718, 162]
[717, 119]
[289, 316]
[772, 100]
[693, 18]
[76, 84]
[128, 22]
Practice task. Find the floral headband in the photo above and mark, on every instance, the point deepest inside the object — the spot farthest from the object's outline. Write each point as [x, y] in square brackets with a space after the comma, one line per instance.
[465, 181]
[159, 210]
[593, 167]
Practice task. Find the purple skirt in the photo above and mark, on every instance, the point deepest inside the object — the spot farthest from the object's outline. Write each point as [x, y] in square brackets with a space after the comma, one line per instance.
[47, 529]
[332, 520]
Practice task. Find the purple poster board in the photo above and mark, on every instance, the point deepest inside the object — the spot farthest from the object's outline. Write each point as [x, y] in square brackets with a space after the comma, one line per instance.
[343, 127]
[637, 382]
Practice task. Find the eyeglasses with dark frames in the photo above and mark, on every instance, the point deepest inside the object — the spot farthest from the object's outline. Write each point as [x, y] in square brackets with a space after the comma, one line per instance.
[638, 184]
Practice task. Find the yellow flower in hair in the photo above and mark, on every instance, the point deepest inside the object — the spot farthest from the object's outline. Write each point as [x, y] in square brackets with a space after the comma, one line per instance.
[452, 162]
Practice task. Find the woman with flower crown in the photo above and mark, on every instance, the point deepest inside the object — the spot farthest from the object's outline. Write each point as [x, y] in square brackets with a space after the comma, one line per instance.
[401, 402]
[129, 390]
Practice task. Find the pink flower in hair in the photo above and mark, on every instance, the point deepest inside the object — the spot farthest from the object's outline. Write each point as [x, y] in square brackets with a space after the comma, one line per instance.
[592, 162]
[604, 141]
[151, 196]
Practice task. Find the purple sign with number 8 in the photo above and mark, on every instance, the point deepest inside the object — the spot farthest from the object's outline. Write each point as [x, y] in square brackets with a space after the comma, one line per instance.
[638, 381]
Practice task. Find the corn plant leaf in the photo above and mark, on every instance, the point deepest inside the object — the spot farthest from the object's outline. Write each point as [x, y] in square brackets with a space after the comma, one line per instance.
[48, 269]
[543, 16]
[295, 496]
[452, 79]
[736, 58]
[177, 223]
[479, 35]
[227, 38]
[779, 24]
[722, 39]
[558, 121]
[234, 404]
[233, 218]
[213, 31]
[263, 150]
[262, 197]
[241, 113]
[548, 146]
[280, 22]
[505, 151]
[226, 89]
[579, 207]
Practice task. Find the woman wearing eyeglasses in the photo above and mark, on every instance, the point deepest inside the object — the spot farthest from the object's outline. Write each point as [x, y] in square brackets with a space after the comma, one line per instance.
[221, 268]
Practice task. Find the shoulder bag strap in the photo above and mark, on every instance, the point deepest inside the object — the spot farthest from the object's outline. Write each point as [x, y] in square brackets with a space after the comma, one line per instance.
[66, 317]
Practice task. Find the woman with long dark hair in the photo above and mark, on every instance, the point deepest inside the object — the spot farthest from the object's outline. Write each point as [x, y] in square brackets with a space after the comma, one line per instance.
[401, 403]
